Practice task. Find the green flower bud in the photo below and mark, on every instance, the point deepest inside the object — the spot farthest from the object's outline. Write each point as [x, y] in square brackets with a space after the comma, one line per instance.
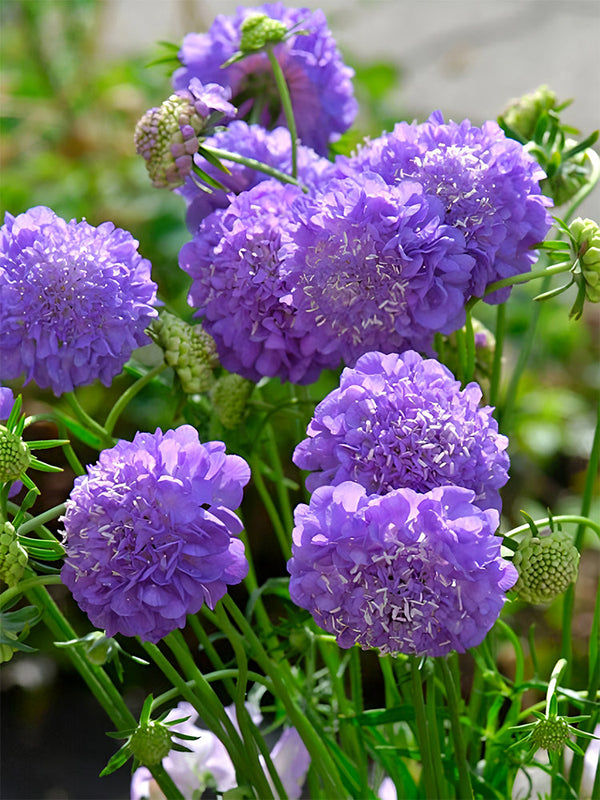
[151, 743]
[258, 30]
[547, 565]
[189, 349]
[551, 733]
[586, 244]
[13, 556]
[14, 455]
[568, 180]
[229, 397]
[523, 113]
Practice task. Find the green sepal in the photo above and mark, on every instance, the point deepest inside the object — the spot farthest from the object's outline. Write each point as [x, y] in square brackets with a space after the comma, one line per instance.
[581, 146]
[212, 159]
[116, 761]
[46, 444]
[208, 179]
[41, 466]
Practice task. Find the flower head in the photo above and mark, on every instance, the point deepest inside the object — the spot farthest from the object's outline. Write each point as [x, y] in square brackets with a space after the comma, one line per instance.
[401, 420]
[76, 300]
[488, 185]
[13, 556]
[239, 265]
[272, 148]
[404, 572]
[319, 82]
[167, 137]
[151, 532]
[547, 565]
[188, 349]
[375, 269]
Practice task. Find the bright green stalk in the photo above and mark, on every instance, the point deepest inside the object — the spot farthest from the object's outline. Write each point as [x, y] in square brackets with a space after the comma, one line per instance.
[286, 103]
[283, 536]
[470, 348]
[97, 680]
[460, 753]
[128, 396]
[252, 163]
[286, 691]
[499, 348]
[88, 421]
[561, 518]
[37, 522]
[430, 771]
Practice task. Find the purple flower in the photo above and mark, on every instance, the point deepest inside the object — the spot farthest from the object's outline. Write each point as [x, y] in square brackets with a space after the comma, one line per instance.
[488, 184]
[239, 265]
[167, 137]
[7, 401]
[253, 141]
[151, 532]
[375, 269]
[404, 572]
[319, 82]
[401, 420]
[209, 763]
[75, 300]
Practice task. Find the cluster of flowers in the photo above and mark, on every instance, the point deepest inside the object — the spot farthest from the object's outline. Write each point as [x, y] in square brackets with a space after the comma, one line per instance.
[397, 548]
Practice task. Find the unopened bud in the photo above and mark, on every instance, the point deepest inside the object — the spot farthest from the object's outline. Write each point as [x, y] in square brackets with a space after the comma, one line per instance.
[523, 113]
[551, 733]
[229, 397]
[189, 349]
[586, 244]
[14, 455]
[167, 137]
[13, 556]
[151, 743]
[547, 565]
[258, 30]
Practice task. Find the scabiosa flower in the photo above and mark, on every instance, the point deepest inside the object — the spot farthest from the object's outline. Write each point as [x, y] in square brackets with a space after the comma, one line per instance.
[76, 300]
[239, 265]
[404, 572]
[488, 184]
[402, 420]
[272, 148]
[375, 269]
[319, 82]
[151, 532]
[167, 137]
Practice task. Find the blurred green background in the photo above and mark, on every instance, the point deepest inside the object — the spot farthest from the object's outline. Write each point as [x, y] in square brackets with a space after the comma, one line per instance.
[66, 141]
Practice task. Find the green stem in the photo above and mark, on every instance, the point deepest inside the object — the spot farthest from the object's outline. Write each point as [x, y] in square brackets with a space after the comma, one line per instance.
[460, 753]
[525, 277]
[574, 518]
[282, 535]
[429, 774]
[527, 340]
[286, 691]
[87, 421]
[498, 350]
[252, 163]
[129, 394]
[97, 680]
[287, 515]
[25, 586]
[470, 348]
[286, 103]
[33, 523]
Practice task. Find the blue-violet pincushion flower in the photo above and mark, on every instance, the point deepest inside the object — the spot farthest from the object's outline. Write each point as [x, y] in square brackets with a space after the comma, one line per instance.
[402, 420]
[489, 186]
[319, 83]
[404, 572]
[76, 300]
[151, 532]
[375, 268]
[239, 263]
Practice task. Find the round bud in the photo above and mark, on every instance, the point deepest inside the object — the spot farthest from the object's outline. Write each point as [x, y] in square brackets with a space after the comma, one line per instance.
[14, 455]
[151, 743]
[550, 733]
[547, 565]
